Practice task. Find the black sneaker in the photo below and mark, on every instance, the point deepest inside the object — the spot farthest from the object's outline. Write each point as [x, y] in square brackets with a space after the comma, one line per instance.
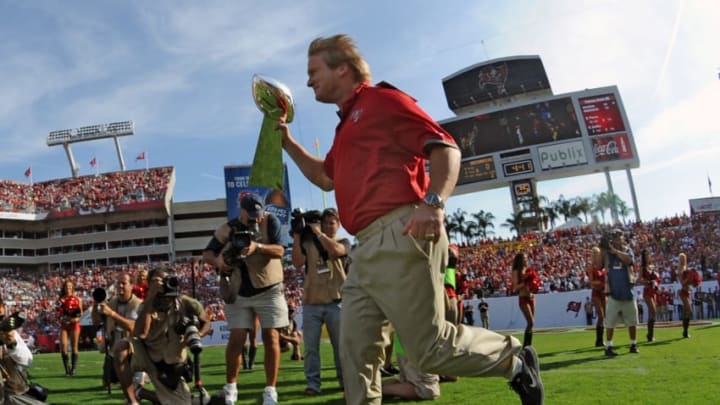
[528, 383]
[385, 373]
[634, 349]
[389, 371]
[609, 352]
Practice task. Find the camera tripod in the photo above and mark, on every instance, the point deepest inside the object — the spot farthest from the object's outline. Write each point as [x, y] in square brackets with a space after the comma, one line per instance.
[196, 376]
[107, 374]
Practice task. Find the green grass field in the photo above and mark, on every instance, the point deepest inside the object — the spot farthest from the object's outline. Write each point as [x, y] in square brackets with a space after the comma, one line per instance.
[670, 370]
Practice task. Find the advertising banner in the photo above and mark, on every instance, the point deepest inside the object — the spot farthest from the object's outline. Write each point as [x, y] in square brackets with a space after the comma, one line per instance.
[710, 204]
[277, 202]
[562, 155]
[613, 147]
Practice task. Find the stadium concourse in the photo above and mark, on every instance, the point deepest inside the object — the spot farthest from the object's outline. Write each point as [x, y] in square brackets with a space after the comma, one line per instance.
[89, 228]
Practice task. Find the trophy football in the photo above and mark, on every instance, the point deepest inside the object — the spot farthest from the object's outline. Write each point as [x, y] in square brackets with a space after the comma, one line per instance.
[275, 101]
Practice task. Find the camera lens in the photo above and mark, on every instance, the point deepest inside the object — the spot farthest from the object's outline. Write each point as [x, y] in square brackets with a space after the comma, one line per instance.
[172, 282]
[193, 340]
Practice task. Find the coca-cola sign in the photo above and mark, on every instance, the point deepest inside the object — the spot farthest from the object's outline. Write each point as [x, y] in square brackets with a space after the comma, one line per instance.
[613, 147]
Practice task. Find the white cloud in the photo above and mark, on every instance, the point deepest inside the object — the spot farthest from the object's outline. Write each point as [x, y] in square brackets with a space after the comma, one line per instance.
[685, 127]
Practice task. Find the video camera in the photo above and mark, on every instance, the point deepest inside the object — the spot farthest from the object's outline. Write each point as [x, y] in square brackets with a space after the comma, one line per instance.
[300, 224]
[300, 221]
[239, 240]
[12, 322]
[171, 286]
[99, 295]
[188, 327]
[605, 242]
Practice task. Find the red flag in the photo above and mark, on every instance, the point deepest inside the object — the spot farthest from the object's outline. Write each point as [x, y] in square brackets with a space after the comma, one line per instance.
[574, 306]
[28, 172]
[93, 162]
[141, 156]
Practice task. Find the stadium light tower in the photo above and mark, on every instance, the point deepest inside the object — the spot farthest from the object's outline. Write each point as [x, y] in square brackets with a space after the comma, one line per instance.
[112, 130]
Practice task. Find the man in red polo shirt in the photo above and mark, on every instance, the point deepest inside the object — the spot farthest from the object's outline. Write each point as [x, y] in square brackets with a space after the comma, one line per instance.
[396, 210]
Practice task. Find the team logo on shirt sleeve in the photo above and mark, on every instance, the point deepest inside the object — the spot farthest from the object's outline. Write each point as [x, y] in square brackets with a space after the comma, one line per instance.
[355, 115]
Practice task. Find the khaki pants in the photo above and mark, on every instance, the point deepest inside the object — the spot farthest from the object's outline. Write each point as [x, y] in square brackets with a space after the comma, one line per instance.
[398, 279]
[141, 362]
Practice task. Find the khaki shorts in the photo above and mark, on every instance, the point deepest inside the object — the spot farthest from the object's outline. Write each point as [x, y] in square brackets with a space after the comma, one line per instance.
[270, 306]
[141, 361]
[427, 386]
[621, 312]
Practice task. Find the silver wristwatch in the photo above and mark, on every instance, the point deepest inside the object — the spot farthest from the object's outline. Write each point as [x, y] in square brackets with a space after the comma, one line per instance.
[434, 200]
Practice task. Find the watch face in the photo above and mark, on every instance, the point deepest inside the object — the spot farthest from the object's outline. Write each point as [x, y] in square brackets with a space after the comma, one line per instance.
[433, 200]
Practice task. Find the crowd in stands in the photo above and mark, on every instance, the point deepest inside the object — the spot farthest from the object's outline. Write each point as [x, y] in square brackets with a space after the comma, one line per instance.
[559, 257]
[104, 190]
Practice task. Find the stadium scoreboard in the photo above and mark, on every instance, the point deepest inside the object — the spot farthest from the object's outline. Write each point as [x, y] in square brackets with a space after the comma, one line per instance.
[551, 137]
[510, 126]
[477, 169]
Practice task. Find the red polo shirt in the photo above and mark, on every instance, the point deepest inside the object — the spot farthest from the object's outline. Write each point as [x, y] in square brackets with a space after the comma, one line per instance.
[377, 160]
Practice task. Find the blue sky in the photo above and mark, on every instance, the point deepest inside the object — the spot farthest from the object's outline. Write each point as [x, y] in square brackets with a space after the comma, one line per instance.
[182, 72]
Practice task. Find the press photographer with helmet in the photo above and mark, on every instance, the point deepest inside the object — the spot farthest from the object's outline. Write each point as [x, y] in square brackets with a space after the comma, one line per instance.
[321, 252]
[246, 252]
[168, 322]
[15, 359]
[116, 317]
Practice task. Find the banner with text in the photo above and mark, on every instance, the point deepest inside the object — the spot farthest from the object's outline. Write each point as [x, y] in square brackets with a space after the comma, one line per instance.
[562, 155]
[613, 147]
[277, 202]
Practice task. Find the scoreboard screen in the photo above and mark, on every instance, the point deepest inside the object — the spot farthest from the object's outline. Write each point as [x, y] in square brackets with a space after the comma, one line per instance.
[531, 124]
[543, 138]
[478, 169]
[518, 167]
[495, 80]
[601, 114]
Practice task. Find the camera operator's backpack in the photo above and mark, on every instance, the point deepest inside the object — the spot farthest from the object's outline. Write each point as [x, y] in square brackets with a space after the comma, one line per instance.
[230, 286]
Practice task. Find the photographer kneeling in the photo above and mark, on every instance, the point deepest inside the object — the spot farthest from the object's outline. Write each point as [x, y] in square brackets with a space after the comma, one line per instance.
[15, 358]
[167, 322]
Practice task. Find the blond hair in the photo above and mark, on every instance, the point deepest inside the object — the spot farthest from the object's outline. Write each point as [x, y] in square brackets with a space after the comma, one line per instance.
[339, 49]
[596, 258]
[682, 261]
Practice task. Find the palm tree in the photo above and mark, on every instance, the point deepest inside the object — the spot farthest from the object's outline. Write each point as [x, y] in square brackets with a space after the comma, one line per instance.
[551, 214]
[583, 205]
[458, 223]
[563, 207]
[608, 201]
[484, 220]
[614, 201]
[450, 226]
[535, 207]
[624, 210]
[470, 232]
[600, 204]
[514, 222]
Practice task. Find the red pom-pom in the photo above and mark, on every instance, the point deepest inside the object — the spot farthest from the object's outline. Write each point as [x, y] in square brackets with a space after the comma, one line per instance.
[695, 278]
[532, 280]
